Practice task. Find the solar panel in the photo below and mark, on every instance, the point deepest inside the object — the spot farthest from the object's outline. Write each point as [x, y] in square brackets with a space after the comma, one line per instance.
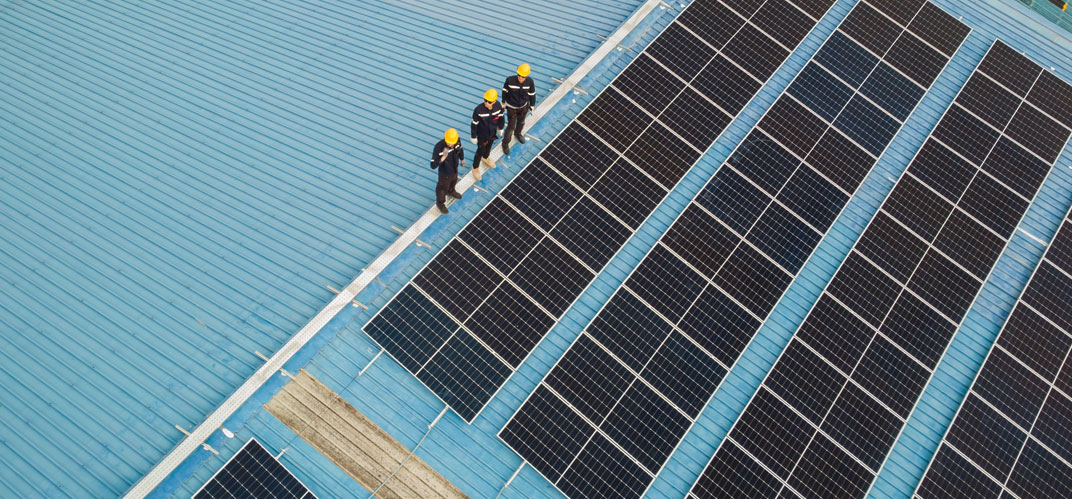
[253, 472]
[1011, 433]
[678, 323]
[831, 408]
[473, 314]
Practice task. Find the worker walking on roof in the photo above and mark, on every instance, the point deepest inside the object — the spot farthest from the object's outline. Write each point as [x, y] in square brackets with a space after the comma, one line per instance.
[487, 125]
[447, 156]
[519, 96]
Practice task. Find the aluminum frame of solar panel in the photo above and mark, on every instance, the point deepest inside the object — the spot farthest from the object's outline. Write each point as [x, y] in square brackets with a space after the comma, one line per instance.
[623, 155]
[1041, 348]
[851, 380]
[626, 285]
[248, 449]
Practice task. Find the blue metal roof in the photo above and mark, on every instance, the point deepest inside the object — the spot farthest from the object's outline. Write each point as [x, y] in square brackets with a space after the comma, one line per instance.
[399, 403]
[180, 181]
[155, 139]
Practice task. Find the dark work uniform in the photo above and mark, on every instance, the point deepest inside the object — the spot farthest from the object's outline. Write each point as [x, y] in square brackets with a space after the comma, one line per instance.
[447, 164]
[487, 123]
[519, 99]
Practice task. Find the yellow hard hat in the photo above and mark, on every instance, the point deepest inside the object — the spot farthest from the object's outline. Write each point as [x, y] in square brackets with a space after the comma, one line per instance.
[451, 136]
[523, 70]
[491, 95]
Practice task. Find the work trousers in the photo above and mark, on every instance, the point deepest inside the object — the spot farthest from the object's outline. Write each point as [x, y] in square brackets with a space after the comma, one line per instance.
[446, 185]
[483, 149]
[515, 122]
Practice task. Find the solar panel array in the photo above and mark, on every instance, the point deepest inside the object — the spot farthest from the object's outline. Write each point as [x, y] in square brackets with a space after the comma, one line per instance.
[474, 313]
[829, 411]
[253, 473]
[618, 402]
[1013, 432]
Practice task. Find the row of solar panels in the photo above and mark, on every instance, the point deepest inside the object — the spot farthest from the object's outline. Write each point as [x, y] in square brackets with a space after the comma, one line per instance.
[627, 392]
[609, 414]
[1013, 432]
[829, 411]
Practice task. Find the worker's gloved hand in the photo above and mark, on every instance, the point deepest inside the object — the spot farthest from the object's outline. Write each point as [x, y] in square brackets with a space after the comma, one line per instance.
[498, 133]
[462, 163]
[474, 140]
[532, 109]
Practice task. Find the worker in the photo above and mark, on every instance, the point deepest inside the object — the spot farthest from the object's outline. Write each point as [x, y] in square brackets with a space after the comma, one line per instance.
[447, 156]
[519, 96]
[487, 126]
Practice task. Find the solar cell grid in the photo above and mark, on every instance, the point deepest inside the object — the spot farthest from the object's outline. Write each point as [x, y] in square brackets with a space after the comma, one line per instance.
[846, 58]
[783, 21]
[1052, 95]
[726, 84]
[1038, 132]
[701, 240]
[719, 325]
[648, 83]
[939, 29]
[891, 246]
[614, 118]
[717, 301]
[582, 169]
[591, 233]
[253, 472]
[892, 91]
[867, 124]
[988, 100]
[712, 21]
[756, 52]
[680, 51]
[662, 155]
[937, 166]
[1015, 167]
[840, 160]
[764, 162]
[917, 59]
[908, 321]
[695, 119]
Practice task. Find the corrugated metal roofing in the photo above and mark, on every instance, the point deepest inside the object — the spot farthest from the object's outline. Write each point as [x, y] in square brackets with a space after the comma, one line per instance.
[469, 455]
[181, 180]
[399, 403]
[395, 400]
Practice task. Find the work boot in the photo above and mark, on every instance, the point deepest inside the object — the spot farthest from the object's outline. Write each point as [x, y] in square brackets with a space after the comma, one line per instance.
[455, 195]
[506, 149]
[442, 208]
[489, 162]
[520, 139]
[476, 172]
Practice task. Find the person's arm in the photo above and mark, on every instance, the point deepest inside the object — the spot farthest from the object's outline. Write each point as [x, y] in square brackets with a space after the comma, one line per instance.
[476, 122]
[532, 93]
[502, 117]
[436, 155]
[461, 156]
[506, 91]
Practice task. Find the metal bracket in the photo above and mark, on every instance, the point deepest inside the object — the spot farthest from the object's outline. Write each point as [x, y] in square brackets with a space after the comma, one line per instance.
[203, 444]
[416, 241]
[377, 356]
